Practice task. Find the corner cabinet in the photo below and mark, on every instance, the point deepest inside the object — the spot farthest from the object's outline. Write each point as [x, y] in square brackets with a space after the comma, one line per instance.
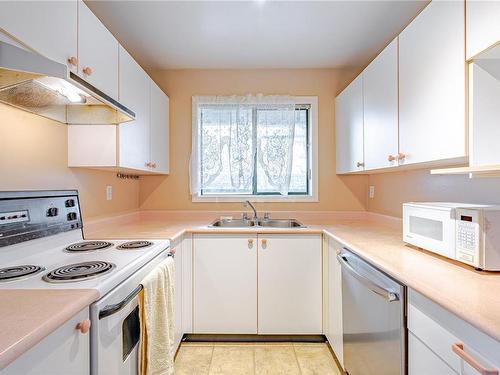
[432, 84]
[257, 284]
[140, 146]
[64, 351]
[349, 128]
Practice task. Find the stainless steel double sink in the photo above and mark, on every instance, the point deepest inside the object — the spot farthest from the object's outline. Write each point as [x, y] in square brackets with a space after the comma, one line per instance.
[264, 223]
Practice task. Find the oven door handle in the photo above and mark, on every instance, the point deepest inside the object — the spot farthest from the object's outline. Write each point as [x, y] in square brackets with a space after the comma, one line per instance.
[377, 289]
[112, 309]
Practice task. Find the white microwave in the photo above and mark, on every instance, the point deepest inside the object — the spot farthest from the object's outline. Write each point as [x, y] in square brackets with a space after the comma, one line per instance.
[468, 233]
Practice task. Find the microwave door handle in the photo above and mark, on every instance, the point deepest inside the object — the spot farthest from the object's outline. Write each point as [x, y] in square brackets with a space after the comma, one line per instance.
[387, 294]
[112, 309]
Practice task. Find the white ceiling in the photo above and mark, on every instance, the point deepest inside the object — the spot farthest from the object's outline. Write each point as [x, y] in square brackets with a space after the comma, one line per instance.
[254, 34]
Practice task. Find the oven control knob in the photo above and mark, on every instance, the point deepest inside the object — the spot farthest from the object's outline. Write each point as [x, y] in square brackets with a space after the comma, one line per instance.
[71, 216]
[70, 203]
[52, 211]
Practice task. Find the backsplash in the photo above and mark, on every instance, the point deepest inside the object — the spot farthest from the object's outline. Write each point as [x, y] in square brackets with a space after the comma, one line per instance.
[33, 155]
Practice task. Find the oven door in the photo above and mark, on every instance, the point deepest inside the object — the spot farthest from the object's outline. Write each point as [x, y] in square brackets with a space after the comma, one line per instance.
[115, 329]
[430, 228]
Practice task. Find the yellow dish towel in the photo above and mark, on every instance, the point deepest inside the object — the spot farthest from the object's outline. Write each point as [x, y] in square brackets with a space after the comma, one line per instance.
[156, 306]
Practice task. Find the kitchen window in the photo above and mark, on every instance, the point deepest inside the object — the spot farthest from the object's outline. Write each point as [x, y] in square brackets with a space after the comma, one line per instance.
[261, 147]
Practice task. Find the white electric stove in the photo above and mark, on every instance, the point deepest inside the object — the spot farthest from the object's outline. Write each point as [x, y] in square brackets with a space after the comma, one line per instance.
[42, 247]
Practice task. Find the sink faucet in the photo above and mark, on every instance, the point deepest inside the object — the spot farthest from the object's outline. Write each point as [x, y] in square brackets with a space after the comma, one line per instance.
[248, 203]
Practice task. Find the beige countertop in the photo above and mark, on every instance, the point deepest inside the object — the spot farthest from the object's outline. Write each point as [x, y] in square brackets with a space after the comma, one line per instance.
[28, 316]
[471, 295]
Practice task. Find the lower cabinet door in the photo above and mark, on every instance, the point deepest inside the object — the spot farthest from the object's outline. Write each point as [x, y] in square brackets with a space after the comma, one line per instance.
[225, 284]
[423, 361]
[334, 331]
[66, 351]
[290, 284]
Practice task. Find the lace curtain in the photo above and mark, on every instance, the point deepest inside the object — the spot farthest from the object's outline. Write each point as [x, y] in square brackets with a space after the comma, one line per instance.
[233, 136]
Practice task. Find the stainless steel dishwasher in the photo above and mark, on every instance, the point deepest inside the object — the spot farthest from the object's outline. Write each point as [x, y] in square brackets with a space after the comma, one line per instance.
[374, 321]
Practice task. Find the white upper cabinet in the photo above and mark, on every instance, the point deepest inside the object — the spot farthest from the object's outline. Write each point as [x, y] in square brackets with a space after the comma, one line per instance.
[349, 127]
[97, 53]
[49, 28]
[483, 26]
[289, 284]
[432, 85]
[159, 129]
[380, 95]
[134, 149]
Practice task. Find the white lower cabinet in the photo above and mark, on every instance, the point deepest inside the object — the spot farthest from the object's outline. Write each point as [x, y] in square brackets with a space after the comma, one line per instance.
[66, 351]
[433, 331]
[289, 291]
[225, 284]
[249, 284]
[334, 328]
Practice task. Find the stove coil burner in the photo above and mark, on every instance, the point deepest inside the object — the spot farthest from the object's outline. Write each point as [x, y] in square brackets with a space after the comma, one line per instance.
[132, 245]
[17, 272]
[79, 272]
[88, 246]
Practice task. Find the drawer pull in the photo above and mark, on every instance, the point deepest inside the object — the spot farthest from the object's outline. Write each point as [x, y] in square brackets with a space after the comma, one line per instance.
[83, 326]
[87, 71]
[458, 349]
[264, 244]
[250, 243]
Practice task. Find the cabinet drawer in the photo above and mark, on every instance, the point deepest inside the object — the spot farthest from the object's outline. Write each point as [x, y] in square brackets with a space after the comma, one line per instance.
[439, 329]
[423, 361]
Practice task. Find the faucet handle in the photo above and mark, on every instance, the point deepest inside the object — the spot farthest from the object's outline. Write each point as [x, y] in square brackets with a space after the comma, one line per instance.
[244, 216]
[266, 216]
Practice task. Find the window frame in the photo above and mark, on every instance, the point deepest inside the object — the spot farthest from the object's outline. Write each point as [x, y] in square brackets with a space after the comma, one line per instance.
[312, 156]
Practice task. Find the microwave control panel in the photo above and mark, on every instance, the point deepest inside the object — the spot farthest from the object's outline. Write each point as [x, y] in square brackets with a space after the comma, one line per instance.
[467, 236]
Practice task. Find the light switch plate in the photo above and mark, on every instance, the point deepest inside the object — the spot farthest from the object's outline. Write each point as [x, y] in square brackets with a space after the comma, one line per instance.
[109, 192]
[371, 192]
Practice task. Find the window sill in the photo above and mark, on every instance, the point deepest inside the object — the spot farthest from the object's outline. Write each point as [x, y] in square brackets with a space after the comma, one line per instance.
[255, 198]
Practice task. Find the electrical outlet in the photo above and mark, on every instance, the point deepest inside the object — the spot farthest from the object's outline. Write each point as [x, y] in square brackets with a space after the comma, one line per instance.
[371, 192]
[109, 192]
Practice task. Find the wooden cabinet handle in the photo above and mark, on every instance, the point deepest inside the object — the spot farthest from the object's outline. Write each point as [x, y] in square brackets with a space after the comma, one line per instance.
[83, 326]
[73, 61]
[391, 158]
[264, 244]
[87, 71]
[250, 243]
[401, 156]
[458, 349]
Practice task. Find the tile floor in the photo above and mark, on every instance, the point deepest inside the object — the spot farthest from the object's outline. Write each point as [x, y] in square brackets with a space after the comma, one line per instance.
[255, 359]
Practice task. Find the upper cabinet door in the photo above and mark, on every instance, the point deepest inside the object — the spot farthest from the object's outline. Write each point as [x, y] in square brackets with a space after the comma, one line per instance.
[380, 94]
[349, 127]
[432, 85]
[159, 129]
[134, 149]
[49, 28]
[97, 53]
[483, 26]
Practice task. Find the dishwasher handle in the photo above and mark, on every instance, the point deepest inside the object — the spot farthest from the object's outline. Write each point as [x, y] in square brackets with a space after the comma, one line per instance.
[377, 289]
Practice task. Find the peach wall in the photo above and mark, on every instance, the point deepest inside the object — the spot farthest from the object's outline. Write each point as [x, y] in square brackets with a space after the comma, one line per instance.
[33, 155]
[393, 189]
[172, 192]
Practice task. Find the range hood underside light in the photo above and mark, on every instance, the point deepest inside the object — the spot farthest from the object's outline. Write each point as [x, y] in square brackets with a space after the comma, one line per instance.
[47, 88]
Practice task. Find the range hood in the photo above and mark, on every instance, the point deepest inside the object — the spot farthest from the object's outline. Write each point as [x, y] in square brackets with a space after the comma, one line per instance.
[39, 85]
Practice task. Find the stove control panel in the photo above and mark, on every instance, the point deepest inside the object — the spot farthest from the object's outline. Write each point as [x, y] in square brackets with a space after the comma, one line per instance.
[34, 214]
[13, 217]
